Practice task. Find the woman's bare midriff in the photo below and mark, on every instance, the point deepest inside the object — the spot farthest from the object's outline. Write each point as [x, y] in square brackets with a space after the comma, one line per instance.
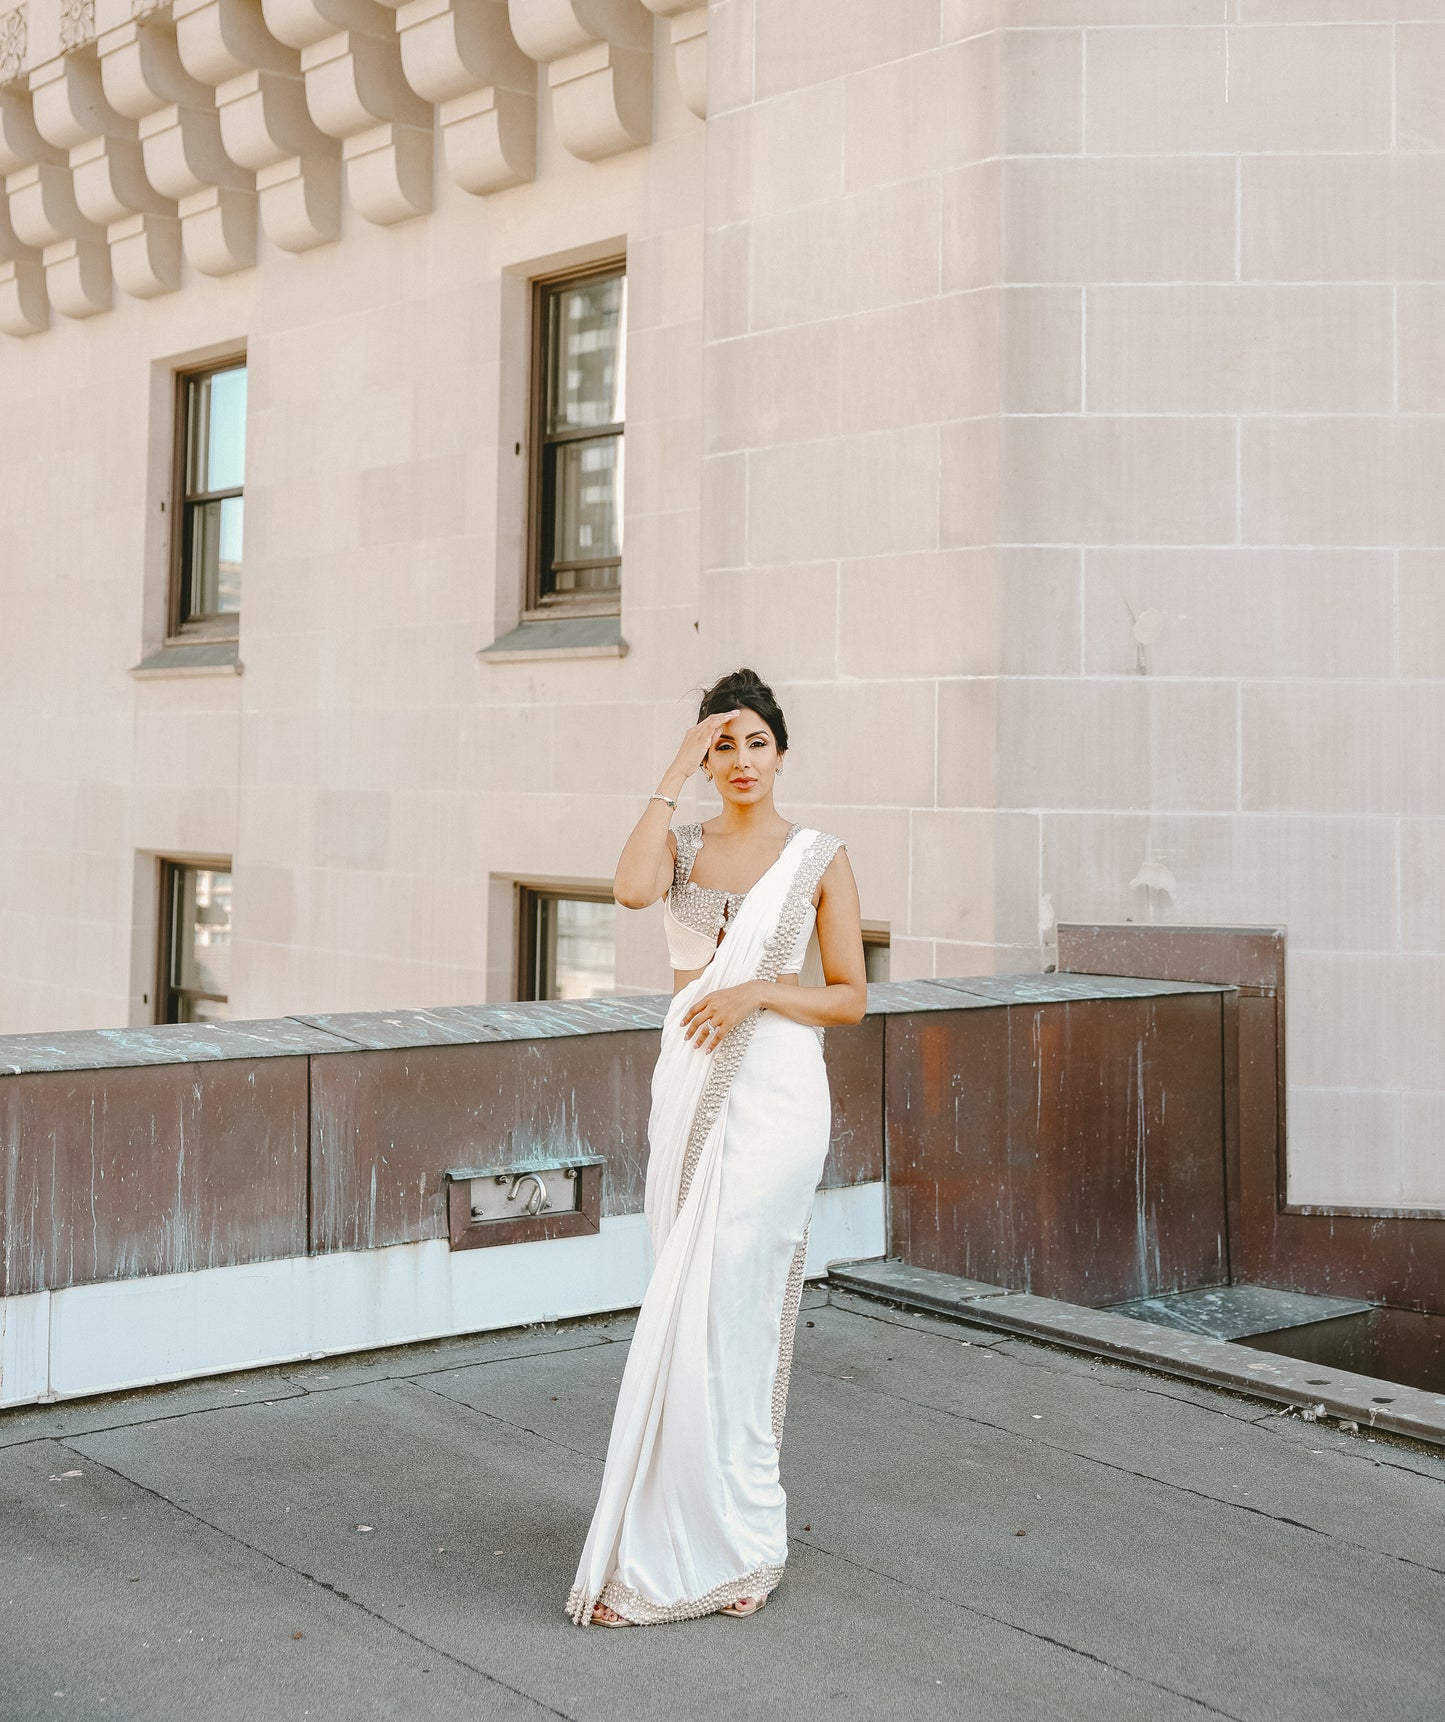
[682, 978]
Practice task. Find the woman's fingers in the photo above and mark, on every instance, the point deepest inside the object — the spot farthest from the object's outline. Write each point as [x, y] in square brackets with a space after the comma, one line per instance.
[701, 1024]
[709, 1020]
[704, 733]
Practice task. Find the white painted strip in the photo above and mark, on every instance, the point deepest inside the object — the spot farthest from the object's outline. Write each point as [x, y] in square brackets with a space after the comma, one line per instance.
[173, 1327]
[24, 1348]
[848, 1226]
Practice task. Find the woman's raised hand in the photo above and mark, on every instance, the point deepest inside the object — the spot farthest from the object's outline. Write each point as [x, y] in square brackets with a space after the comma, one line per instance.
[697, 743]
[644, 869]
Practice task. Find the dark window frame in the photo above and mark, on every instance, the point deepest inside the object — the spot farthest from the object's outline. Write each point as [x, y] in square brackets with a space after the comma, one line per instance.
[221, 625]
[166, 991]
[539, 603]
[530, 924]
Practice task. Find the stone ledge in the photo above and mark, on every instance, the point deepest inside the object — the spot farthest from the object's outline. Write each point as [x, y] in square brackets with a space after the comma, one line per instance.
[190, 658]
[163, 1043]
[470, 1025]
[558, 637]
[1315, 1388]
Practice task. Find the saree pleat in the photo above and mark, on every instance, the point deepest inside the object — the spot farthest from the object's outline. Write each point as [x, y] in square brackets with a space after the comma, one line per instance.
[691, 1514]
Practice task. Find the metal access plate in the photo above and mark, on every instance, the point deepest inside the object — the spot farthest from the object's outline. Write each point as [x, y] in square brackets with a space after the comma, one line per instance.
[1236, 1312]
[513, 1196]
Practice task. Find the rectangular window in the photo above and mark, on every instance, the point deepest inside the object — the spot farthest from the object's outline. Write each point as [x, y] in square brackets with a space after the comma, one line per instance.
[568, 946]
[578, 394]
[210, 502]
[195, 953]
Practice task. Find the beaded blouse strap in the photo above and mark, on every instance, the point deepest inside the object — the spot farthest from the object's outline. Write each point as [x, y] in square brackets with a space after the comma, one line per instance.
[689, 841]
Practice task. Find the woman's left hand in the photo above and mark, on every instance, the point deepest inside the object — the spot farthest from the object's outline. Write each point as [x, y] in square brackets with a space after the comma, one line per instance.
[709, 1021]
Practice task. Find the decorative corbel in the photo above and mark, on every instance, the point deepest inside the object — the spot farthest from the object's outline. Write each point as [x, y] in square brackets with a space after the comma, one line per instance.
[111, 190]
[265, 124]
[43, 213]
[598, 55]
[180, 135]
[687, 26]
[357, 92]
[461, 55]
[24, 303]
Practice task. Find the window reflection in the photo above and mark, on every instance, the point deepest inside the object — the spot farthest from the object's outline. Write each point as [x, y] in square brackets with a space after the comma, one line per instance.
[197, 955]
[588, 367]
[569, 947]
[212, 507]
[583, 369]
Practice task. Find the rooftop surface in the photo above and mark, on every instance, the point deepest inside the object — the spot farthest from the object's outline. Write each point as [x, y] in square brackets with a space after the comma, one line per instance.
[983, 1527]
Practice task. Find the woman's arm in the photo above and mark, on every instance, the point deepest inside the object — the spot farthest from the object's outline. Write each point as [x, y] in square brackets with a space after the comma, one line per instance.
[644, 868]
[842, 999]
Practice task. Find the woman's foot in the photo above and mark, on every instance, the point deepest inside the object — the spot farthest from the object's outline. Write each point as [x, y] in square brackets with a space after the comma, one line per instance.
[744, 1606]
[604, 1616]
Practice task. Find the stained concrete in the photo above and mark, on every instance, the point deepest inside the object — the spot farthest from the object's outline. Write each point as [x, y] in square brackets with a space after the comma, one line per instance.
[1184, 1552]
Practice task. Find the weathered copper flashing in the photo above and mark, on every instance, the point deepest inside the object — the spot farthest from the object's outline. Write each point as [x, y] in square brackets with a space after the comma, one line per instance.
[1065, 1143]
[328, 1133]
[1396, 1259]
[118, 1172]
[132, 1152]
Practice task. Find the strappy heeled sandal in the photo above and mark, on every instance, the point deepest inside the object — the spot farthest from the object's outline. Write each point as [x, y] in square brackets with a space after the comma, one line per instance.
[602, 1620]
[744, 1606]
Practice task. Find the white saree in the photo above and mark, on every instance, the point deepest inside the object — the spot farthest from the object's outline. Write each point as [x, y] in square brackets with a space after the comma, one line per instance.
[692, 1514]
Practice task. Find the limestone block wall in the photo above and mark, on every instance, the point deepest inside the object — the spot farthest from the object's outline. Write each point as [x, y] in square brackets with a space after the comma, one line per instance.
[1047, 394]
[375, 783]
[1075, 395]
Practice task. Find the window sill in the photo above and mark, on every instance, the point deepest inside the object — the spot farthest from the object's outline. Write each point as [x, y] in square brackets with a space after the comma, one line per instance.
[190, 658]
[559, 637]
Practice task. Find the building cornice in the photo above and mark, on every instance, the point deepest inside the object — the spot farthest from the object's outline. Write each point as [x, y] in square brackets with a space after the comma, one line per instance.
[141, 143]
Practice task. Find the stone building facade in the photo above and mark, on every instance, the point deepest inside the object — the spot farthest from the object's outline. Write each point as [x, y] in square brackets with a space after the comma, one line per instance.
[1048, 395]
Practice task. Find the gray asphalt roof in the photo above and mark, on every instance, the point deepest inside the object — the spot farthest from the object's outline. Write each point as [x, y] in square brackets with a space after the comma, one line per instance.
[982, 1527]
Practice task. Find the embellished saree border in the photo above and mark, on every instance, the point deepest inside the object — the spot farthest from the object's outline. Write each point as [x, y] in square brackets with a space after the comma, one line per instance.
[622, 1599]
[729, 1056]
[787, 1334]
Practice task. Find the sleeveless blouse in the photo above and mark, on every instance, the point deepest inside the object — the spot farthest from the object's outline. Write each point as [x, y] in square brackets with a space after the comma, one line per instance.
[694, 916]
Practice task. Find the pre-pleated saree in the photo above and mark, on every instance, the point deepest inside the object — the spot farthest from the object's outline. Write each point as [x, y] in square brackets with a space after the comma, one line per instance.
[692, 1514]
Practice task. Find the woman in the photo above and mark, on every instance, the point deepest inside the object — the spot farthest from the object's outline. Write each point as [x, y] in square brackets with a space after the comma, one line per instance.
[692, 1517]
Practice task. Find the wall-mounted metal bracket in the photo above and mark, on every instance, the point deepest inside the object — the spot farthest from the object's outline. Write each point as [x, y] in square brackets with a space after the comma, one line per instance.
[525, 1201]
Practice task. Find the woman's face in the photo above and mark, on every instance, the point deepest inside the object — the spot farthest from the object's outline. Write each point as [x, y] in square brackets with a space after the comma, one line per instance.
[744, 759]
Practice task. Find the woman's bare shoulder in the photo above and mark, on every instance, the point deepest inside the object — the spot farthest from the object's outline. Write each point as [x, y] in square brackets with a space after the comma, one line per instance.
[837, 877]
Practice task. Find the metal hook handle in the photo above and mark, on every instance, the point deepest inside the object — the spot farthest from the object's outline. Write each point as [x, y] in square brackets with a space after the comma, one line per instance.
[537, 1201]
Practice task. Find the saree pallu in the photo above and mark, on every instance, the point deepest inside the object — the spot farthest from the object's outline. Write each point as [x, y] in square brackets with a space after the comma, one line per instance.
[692, 1513]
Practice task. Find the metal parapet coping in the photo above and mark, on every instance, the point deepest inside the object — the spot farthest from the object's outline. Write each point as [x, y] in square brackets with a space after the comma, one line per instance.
[1311, 1387]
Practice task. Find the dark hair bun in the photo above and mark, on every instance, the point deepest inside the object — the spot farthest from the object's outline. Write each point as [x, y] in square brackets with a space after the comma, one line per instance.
[746, 688]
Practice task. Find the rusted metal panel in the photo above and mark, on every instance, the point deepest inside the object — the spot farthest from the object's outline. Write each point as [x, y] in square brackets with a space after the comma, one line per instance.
[854, 1057]
[1074, 1148]
[947, 1119]
[1388, 1258]
[150, 1169]
[388, 1120]
[387, 1123]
